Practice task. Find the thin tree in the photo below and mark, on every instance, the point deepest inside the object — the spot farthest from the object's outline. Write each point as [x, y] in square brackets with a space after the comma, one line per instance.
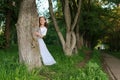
[69, 42]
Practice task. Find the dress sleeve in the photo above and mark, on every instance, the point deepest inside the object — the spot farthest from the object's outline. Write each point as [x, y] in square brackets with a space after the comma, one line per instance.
[44, 31]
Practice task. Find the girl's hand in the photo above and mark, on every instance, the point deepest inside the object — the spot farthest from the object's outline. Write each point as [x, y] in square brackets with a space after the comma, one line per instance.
[38, 34]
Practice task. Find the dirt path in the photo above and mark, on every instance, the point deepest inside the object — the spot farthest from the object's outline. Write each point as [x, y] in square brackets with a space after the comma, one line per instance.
[112, 66]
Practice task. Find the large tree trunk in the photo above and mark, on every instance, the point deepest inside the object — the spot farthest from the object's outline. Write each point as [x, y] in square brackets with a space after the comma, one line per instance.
[27, 22]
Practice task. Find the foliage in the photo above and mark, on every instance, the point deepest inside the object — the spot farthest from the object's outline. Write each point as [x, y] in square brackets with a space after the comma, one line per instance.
[114, 53]
[71, 71]
[2, 40]
[9, 8]
[52, 37]
[66, 68]
[91, 24]
[117, 2]
[100, 24]
[13, 6]
[11, 69]
[112, 34]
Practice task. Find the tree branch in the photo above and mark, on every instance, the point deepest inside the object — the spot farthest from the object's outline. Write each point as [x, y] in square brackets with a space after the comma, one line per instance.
[73, 41]
[77, 15]
[67, 15]
[55, 23]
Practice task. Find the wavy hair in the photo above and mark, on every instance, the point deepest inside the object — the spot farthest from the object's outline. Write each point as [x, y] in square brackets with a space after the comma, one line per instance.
[46, 25]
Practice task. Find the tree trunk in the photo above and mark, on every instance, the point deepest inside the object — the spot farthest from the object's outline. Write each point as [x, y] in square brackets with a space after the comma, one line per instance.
[8, 24]
[28, 46]
[79, 37]
[70, 26]
[69, 43]
[7, 28]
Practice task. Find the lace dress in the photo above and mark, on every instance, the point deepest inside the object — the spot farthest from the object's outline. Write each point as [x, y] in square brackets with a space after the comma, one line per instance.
[47, 58]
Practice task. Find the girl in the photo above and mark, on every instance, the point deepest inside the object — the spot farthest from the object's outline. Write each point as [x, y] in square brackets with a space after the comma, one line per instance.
[45, 54]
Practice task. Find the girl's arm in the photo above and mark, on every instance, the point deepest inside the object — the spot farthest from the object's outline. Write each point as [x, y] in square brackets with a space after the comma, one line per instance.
[39, 35]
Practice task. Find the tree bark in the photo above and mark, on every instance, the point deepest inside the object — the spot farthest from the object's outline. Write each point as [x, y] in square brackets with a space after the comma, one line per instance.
[8, 25]
[27, 23]
[7, 28]
[69, 43]
[79, 37]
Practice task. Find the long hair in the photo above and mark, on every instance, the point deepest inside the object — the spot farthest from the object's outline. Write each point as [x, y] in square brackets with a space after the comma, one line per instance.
[46, 25]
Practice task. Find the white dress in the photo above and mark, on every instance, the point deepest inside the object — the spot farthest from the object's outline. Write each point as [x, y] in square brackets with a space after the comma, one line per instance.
[45, 54]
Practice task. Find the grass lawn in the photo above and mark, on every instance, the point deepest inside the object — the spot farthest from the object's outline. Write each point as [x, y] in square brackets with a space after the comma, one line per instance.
[66, 68]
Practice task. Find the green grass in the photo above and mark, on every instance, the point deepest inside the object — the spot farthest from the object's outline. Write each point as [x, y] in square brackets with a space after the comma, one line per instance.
[66, 68]
[10, 69]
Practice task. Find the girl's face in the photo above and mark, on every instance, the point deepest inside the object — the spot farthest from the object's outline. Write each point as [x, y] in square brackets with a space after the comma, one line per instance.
[42, 21]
